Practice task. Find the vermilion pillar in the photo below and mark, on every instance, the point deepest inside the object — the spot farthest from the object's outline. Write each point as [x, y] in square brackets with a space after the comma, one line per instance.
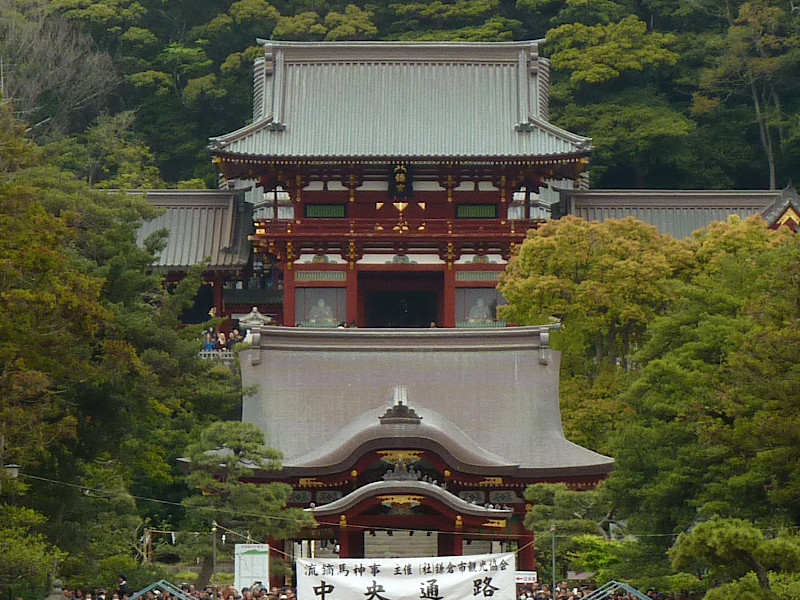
[275, 553]
[218, 282]
[449, 317]
[352, 293]
[450, 543]
[526, 557]
[289, 318]
[351, 541]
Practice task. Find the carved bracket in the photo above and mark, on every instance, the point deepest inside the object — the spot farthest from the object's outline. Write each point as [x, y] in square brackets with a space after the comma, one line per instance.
[352, 180]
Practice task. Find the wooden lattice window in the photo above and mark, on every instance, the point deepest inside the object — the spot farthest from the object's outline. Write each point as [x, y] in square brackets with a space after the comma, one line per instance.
[326, 211]
[476, 211]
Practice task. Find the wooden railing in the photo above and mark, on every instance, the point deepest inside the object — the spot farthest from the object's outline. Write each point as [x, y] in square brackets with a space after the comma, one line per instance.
[417, 228]
[225, 356]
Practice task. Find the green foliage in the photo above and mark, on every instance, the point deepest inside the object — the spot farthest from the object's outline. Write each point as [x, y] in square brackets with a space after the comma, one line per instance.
[223, 454]
[353, 24]
[712, 406]
[602, 281]
[104, 386]
[635, 133]
[594, 554]
[599, 53]
[109, 154]
[736, 557]
[761, 46]
[26, 558]
[575, 516]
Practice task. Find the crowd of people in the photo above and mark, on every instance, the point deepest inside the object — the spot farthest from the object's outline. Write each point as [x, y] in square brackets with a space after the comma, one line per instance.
[566, 591]
[211, 592]
[219, 340]
[563, 591]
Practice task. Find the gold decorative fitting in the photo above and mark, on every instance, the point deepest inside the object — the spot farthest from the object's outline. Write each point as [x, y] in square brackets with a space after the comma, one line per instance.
[353, 473]
[789, 216]
[342, 521]
[499, 523]
[401, 502]
[491, 481]
[407, 456]
[310, 482]
[459, 522]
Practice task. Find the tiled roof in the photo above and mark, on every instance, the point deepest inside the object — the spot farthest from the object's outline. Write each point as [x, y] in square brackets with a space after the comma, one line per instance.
[398, 99]
[676, 212]
[382, 488]
[491, 396]
[787, 200]
[202, 224]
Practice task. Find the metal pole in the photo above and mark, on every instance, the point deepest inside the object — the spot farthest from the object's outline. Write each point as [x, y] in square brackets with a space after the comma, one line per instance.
[214, 559]
[553, 531]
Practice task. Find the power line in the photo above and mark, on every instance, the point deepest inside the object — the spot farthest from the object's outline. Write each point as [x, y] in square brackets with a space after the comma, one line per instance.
[288, 519]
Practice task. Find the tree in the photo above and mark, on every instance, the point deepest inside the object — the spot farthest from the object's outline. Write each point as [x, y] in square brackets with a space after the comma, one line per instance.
[26, 558]
[108, 155]
[49, 298]
[600, 53]
[574, 515]
[602, 281]
[761, 47]
[49, 70]
[713, 412]
[103, 386]
[224, 454]
[734, 555]
[640, 139]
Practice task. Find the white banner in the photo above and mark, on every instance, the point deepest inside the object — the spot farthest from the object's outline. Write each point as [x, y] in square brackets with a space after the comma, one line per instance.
[251, 564]
[439, 578]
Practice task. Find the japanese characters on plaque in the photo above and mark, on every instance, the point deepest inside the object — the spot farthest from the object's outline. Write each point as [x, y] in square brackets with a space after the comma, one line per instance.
[479, 577]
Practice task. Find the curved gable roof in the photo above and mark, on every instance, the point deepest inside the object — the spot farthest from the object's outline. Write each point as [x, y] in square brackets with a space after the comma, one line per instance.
[487, 398]
[419, 488]
[432, 432]
[384, 100]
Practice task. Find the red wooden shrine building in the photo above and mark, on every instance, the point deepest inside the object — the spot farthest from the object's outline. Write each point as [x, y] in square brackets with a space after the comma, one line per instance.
[387, 433]
[401, 177]
[401, 162]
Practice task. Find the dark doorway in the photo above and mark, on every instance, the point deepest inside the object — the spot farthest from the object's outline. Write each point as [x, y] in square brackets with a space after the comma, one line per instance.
[400, 299]
[400, 309]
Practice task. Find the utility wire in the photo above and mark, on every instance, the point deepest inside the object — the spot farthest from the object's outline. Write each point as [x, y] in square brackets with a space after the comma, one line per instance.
[324, 523]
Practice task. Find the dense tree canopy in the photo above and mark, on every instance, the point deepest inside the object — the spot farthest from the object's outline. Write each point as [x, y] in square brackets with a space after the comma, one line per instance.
[101, 388]
[674, 94]
[699, 408]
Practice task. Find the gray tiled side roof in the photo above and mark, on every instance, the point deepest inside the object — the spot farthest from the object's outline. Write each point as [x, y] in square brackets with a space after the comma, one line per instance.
[496, 390]
[788, 198]
[401, 99]
[676, 212]
[408, 487]
[202, 224]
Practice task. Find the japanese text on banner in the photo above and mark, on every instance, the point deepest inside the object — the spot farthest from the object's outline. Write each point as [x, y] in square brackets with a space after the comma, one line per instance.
[480, 577]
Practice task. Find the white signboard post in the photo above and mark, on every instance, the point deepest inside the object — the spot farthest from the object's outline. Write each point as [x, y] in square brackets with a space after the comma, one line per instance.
[479, 577]
[527, 577]
[251, 564]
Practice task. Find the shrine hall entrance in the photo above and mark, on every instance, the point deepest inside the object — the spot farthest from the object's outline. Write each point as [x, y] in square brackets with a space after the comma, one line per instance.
[400, 299]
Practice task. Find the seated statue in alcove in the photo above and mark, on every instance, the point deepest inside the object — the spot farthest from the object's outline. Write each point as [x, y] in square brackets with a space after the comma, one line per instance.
[321, 314]
[480, 312]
